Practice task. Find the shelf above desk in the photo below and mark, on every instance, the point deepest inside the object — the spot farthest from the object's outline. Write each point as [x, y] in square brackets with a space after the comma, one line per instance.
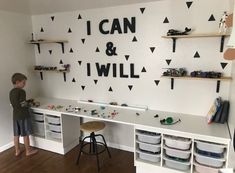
[200, 35]
[38, 42]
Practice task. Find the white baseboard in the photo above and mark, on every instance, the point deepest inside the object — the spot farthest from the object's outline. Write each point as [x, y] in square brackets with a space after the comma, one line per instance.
[6, 147]
[116, 146]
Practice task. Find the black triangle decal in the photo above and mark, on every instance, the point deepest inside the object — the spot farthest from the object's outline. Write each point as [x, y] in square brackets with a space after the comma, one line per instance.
[152, 49]
[42, 30]
[130, 87]
[69, 31]
[79, 62]
[50, 51]
[73, 80]
[61, 62]
[223, 65]
[83, 40]
[83, 87]
[110, 89]
[142, 10]
[196, 55]
[79, 16]
[52, 18]
[127, 57]
[71, 50]
[134, 39]
[95, 81]
[212, 18]
[166, 20]
[157, 82]
[97, 50]
[143, 69]
[189, 4]
[168, 61]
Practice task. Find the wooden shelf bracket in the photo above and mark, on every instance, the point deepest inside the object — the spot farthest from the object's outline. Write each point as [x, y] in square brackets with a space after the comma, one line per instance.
[218, 86]
[62, 46]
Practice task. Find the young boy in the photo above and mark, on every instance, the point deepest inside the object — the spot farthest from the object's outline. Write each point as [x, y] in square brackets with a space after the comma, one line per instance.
[21, 117]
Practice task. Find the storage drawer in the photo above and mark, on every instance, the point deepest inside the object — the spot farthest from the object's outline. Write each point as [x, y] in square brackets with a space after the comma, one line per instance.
[177, 153]
[177, 142]
[38, 128]
[210, 147]
[204, 169]
[53, 119]
[149, 147]
[183, 166]
[217, 163]
[56, 128]
[55, 135]
[148, 156]
[37, 116]
[148, 137]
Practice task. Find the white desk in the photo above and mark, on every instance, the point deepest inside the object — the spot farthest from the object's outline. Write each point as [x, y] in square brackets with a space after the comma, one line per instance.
[193, 127]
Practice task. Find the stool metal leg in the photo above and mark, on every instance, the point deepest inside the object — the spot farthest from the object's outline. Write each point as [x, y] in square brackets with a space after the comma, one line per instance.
[105, 145]
[95, 149]
[81, 147]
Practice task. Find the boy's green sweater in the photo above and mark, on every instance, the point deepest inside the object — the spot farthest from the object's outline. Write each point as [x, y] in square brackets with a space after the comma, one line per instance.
[19, 104]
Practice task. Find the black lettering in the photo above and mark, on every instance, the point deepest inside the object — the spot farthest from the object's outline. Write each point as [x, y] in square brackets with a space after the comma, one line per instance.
[114, 70]
[132, 69]
[122, 75]
[102, 69]
[101, 26]
[127, 24]
[116, 27]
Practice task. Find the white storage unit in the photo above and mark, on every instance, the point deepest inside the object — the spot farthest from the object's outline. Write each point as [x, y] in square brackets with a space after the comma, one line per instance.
[176, 154]
[54, 131]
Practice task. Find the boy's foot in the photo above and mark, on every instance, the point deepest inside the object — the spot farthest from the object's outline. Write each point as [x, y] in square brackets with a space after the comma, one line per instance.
[17, 153]
[31, 152]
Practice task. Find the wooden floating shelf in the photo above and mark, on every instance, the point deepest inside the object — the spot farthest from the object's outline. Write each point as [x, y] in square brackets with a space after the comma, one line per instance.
[174, 37]
[196, 35]
[48, 41]
[198, 78]
[218, 80]
[38, 42]
[58, 71]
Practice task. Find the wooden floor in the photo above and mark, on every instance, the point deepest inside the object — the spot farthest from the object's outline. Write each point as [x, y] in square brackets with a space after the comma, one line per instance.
[48, 162]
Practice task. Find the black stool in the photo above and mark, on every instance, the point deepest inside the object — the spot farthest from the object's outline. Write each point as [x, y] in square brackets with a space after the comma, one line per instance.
[92, 127]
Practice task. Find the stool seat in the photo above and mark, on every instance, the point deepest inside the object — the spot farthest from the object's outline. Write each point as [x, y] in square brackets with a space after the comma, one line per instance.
[92, 126]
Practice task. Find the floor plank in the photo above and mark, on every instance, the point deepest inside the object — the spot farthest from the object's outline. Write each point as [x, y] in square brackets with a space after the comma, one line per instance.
[48, 162]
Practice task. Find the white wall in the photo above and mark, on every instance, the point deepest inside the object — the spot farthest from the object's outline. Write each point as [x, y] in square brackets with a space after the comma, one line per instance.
[21, 6]
[189, 96]
[16, 56]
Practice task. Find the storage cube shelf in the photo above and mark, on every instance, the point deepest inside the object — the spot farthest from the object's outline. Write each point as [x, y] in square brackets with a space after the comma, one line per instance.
[177, 153]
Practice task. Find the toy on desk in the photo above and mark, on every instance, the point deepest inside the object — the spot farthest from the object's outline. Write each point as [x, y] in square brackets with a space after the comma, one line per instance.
[124, 104]
[156, 116]
[169, 121]
[113, 103]
[77, 109]
[94, 112]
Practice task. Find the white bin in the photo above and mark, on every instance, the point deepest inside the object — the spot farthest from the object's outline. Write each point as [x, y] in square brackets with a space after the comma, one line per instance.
[53, 119]
[37, 116]
[56, 128]
[177, 153]
[148, 138]
[204, 169]
[38, 128]
[210, 147]
[183, 166]
[55, 135]
[217, 163]
[177, 142]
[149, 147]
[155, 158]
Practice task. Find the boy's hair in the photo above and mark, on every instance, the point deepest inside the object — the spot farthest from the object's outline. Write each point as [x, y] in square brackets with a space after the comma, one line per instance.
[18, 77]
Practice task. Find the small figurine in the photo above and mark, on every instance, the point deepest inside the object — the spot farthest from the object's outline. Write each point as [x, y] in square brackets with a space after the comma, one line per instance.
[177, 32]
[222, 24]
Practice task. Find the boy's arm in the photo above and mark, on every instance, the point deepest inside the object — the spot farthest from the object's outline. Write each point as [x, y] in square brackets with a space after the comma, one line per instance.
[22, 99]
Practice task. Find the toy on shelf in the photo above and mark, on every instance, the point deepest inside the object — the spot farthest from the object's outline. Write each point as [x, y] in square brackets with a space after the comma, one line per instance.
[177, 32]
[222, 24]
[206, 74]
[46, 68]
[175, 72]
